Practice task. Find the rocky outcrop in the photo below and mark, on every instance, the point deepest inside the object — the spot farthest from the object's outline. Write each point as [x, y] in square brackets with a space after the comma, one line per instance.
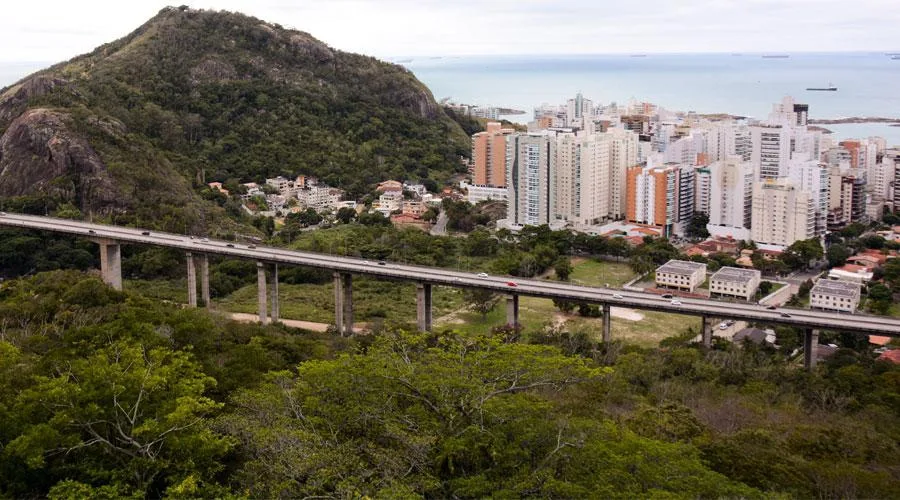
[39, 154]
[14, 101]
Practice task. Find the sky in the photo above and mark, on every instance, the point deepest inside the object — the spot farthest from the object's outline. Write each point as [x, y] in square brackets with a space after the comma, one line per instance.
[56, 30]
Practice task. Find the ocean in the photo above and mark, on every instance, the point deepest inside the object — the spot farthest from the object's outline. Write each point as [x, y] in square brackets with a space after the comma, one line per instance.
[740, 84]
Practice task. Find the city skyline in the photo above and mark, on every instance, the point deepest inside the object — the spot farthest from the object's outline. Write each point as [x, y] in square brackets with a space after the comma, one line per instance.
[498, 27]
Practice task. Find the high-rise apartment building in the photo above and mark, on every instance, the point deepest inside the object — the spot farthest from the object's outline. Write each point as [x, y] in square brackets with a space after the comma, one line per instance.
[781, 213]
[731, 195]
[531, 171]
[813, 177]
[582, 178]
[623, 153]
[652, 195]
[578, 111]
[489, 156]
[771, 149]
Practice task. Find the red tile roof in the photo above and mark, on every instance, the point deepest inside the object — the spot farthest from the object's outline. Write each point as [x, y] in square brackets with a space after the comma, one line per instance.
[893, 356]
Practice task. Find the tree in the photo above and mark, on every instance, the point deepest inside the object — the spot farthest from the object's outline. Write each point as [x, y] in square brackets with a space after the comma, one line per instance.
[837, 254]
[346, 215]
[128, 415]
[879, 298]
[565, 306]
[563, 268]
[697, 226]
[800, 254]
[480, 300]
[431, 215]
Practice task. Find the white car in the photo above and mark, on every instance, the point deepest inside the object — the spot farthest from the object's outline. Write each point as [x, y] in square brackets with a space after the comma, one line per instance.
[482, 275]
[618, 296]
[675, 302]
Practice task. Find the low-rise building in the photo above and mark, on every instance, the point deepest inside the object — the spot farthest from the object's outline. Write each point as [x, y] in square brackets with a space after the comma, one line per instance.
[386, 186]
[475, 193]
[834, 295]
[851, 272]
[734, 282]
[413, 208]
[681, 274]
[283, 185]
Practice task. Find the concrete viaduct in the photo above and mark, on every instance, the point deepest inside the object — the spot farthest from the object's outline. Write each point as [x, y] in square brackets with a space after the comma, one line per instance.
[197, 250]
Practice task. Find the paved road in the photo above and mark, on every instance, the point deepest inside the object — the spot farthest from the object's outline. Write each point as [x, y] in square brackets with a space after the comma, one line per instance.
[440, 226]
[858, 323]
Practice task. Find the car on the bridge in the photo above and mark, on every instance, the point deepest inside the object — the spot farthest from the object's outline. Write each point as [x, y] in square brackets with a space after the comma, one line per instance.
[91, 231]
[2, 214]
[145, 233]
[382, 263]
[785, 315]
[618, 296]
[668, 296]
[675, 302]
[771, 308]
[251, 246]
[511, 283]
[229, 245]
[482, 275]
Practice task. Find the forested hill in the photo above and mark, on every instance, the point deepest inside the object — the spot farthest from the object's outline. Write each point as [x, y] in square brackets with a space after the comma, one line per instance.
[194, 96]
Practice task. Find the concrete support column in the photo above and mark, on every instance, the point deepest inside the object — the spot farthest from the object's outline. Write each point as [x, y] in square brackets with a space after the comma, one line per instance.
[204, 278]
[191, 280]
[347, 302]
[607, 324]
[706, 332]
[810, 341]
[423, 306]
[276, 312]
[261, 290]
[111, 263]
[512, 310]
[338, 303]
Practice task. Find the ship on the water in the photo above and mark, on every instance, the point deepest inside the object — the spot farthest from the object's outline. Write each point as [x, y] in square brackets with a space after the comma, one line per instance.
[829, 88]
[775, 56]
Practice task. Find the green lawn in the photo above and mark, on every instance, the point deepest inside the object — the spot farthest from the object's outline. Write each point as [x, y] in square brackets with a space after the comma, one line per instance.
[598, 273]
[394, 301]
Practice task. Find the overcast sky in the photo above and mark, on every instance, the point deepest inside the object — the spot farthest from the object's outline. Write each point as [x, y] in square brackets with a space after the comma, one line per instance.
[55, 30]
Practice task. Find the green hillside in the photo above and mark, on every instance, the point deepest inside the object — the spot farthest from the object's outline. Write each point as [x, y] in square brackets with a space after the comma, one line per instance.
[133, 128]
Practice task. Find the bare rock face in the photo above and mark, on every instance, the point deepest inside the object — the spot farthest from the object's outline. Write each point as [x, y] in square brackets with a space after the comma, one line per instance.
[14, 101]
[39, 154]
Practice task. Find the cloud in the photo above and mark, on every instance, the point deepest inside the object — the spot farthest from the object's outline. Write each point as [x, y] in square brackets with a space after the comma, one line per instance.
[53, 30]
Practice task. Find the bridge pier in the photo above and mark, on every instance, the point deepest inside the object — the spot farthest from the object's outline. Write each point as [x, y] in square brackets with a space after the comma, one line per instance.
[423, 306]
[810, 341]
[276, 311]
[261, 291]
[512, 310]
[607, 324]
[204, 278]
[343, 303]
[191, 280]
[706, 331]
[111, 263]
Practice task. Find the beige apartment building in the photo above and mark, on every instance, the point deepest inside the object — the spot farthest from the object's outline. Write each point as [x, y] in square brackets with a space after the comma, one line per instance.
[781, 213]
[734, 282]
[834, 295]
[681, 274]
[489, 156]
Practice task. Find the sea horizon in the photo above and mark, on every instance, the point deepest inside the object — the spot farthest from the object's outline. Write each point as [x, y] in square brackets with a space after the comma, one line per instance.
[736, 83]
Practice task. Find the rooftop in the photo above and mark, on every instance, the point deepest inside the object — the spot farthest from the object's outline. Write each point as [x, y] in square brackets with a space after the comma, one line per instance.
[836, 288]
[735, 275]
[685, 267]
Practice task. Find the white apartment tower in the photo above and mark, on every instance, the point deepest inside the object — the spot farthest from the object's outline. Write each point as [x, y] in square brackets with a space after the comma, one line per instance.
[813, 178]
[582, 178]
[578, 111]
[531, 173]
[731, 194]
[623, 154]
[782, 213]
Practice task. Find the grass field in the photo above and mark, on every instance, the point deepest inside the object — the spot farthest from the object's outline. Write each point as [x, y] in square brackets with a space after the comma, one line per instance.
[396, 302]
[393, 301]
[598, 273]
